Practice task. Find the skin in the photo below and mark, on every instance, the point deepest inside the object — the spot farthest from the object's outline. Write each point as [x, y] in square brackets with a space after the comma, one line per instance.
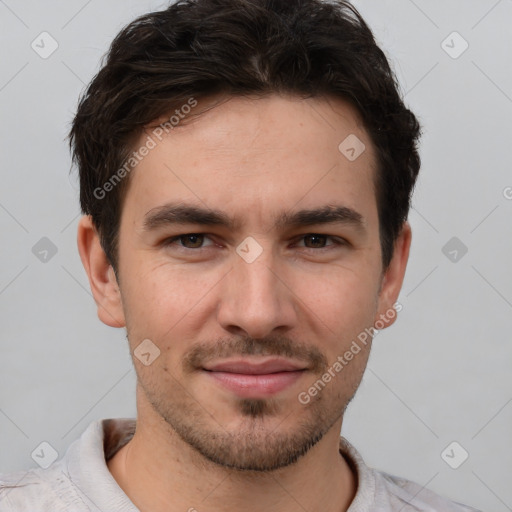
[302, 297]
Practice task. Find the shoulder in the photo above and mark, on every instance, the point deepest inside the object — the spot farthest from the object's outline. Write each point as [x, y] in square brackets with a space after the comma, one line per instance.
[75, 481]
[21, 490]
[409, 496]
[378, 490]
[38, 490]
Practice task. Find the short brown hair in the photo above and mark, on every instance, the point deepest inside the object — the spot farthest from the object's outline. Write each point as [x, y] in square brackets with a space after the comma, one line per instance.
[198, 48]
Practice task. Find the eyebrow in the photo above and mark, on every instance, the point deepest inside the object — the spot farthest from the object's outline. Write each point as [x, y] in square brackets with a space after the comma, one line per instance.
[178, 213]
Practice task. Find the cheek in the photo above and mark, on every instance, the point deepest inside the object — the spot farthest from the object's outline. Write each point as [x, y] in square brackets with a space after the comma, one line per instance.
[343, 301]
[162, 297]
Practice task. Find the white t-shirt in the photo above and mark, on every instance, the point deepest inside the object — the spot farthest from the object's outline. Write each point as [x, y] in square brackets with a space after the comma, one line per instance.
[81, 482]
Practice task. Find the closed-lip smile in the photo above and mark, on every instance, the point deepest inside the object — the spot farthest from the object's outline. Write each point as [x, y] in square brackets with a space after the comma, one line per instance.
[255, 377]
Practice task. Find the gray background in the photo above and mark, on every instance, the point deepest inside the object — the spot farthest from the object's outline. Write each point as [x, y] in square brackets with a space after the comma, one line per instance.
[440, 374]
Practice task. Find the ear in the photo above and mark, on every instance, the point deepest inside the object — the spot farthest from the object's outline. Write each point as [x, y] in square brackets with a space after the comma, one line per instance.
[392, 280]
[102, 279]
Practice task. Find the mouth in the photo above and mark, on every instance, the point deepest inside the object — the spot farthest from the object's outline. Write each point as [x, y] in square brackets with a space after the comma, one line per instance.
[255, 377]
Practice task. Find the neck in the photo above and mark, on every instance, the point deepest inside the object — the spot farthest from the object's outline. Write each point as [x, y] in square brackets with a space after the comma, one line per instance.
[159, 472]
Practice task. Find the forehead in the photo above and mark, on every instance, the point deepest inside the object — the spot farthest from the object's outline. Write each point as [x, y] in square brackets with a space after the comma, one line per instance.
[252, 155]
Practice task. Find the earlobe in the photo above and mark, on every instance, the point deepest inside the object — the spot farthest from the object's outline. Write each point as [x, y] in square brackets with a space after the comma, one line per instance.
[393, 279]
[102, 279]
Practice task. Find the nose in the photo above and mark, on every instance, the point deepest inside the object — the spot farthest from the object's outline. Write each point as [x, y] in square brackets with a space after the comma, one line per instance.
[255, 298]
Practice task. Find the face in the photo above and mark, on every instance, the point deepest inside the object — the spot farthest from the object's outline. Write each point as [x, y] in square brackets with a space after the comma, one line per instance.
[249, 256]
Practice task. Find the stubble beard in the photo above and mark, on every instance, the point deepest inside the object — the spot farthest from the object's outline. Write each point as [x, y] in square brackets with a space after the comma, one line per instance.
[254, 445]
[260, 441]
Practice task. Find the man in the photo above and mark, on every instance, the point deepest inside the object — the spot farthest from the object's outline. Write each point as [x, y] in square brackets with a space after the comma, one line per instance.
[246, 168]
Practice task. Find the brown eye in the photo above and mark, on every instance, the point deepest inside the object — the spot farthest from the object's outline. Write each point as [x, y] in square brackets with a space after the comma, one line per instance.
[192, 241]
[315, 241]
[189, 241]
[319, 241]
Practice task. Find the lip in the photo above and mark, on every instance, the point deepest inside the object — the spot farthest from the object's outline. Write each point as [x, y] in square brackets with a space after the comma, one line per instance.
[255, 378]
[255, 366]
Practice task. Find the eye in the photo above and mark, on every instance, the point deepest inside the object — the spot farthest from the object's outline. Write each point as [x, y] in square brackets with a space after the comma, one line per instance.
[319, 241]
[312, 241]
[189, 240]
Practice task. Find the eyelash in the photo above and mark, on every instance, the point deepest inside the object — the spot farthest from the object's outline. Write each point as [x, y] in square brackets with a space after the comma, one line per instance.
[336, 241]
